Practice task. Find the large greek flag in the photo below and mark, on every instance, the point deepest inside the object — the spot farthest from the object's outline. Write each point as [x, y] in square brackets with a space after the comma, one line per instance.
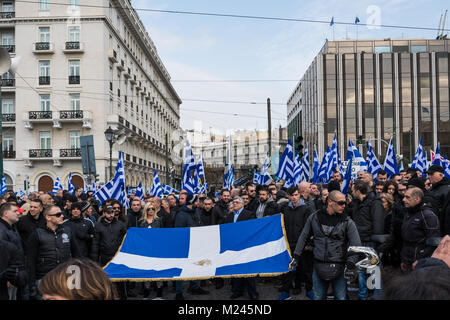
[57, 186]
[247, 248]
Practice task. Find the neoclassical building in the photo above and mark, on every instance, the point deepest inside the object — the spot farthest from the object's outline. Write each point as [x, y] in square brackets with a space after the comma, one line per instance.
[85, 66]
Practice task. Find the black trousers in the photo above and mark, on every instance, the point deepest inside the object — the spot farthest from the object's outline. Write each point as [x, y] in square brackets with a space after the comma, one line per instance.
[302, 274]
[239, 284]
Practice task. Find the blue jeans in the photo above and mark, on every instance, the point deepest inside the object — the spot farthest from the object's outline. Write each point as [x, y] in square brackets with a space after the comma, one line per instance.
[363, 290]
[320, 287]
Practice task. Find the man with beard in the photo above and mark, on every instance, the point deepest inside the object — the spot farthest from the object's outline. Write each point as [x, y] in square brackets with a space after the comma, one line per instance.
[206, 212]
[267, 206]
[253, 199]
[220, 210]
[419, 224]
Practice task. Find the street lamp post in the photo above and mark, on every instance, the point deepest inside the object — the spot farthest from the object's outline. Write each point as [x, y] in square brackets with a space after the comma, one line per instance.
[111, 138]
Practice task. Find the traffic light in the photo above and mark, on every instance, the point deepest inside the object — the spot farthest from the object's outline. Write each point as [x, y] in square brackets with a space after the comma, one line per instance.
[360, 139]
[299, 146]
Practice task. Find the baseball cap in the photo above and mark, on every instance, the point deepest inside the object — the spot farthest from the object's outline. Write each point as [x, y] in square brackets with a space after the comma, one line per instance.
[435, 168]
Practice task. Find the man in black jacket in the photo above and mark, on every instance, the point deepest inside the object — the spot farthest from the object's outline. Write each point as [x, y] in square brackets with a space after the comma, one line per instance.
[295, 215]
[48, 247]
[134, 213]
[419, 224]
[206, 212]
[30, 222]
[220, 210]
[11, 268]
[368, 216]
[9, 216]
[253, 199]
[333, 232]
[82, 229]
[440, 189]
[238, 284]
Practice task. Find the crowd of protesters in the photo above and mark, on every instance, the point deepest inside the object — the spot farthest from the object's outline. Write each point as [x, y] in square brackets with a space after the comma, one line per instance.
[403, 219]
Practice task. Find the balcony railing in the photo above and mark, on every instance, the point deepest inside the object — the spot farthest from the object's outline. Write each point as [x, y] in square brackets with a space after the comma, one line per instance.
[44, 80]
[71, 114]
[7, 15]
[39, 115]
[8, 117]
[42, 46]
[73, 45]
[40, 153]
[70, 153]
[74, 79]
[8, 82]
[9, 154]
[9, 47]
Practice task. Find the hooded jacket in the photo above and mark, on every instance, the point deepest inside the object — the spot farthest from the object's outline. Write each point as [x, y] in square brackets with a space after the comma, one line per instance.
[268, 208]
[368, 216]
[83, 231]
[187, 218]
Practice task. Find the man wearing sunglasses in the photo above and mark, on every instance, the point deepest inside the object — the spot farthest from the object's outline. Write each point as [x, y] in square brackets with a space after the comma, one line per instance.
[333, 232]
[48, 247]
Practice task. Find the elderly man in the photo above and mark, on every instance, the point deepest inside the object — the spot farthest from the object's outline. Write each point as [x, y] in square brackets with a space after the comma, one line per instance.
[305, 194]
[240, 214]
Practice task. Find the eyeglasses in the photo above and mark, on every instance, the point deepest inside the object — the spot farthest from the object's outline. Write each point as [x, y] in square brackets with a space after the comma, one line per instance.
[340, 203]
[59, 214]
[150, 209]
[116, 208]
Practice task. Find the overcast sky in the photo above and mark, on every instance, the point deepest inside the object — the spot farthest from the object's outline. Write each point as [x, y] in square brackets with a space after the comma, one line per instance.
[245, 61]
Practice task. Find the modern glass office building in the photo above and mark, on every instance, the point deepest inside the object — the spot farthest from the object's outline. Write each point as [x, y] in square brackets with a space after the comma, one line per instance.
[378, 89]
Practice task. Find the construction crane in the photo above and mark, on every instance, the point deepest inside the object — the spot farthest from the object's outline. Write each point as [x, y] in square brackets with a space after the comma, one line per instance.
[441, 28]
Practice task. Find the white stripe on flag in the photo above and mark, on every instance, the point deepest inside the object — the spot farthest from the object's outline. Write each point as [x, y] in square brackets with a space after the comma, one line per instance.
[203, 261]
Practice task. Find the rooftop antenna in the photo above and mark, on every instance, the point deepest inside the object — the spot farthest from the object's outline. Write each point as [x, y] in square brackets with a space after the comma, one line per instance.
[439, 28]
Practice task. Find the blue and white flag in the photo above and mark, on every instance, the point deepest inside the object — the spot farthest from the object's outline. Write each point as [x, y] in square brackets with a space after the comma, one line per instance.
[57, 186]
[115, 188]
[286, 166]
[70, 186]
[168, 189]
[3, 186]
[256, 247]
[348, 177]
[316, 166]
[298, 172]
[354, 153]
[156, 190]
[323, 169]
[187, 182]
[446, 168]
[373, 165]
[265, 178]
[256, 176]
[437, 155]
[390, 163]
[306, 170]
[334, 161]
[21, 194]
[418, 158]
[228, 179]
[139, 192]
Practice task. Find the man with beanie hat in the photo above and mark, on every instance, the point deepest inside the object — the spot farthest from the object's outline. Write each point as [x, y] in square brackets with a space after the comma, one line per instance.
[68, 199]
[82, 228]
[186, 218]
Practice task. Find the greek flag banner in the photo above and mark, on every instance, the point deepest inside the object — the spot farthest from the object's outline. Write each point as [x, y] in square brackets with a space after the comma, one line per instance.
[256, 247]
[373, 165]
[3, 186]
[156, 191]
[70, 186]
[390, 163]
[168, 189]
[139, 192]
[57, 186]
[306, 170]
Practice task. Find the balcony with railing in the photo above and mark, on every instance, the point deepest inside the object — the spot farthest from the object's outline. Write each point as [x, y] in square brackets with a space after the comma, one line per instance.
[74, 79]
[9, 47]
[7, 15]
[70, 153]
[43, 47]
[8, 119]
[9, 154]
[40, 153]
[80, 116]
[73, 47]
[44, 80]
[8, 83]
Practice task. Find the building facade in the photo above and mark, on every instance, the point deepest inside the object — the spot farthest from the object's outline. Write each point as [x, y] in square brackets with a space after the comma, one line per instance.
[248, 149]
[375, 88]
[84, 67]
